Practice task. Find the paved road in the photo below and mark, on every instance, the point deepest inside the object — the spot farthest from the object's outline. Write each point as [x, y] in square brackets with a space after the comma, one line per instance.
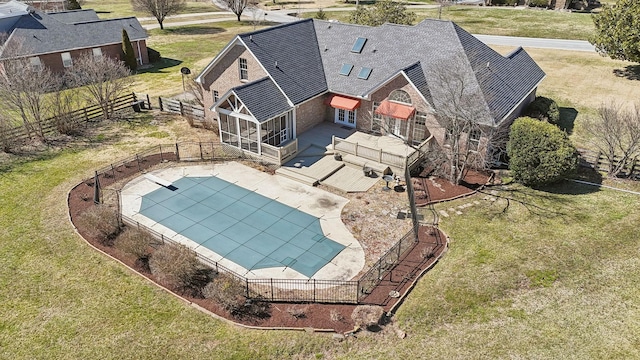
[282, 16]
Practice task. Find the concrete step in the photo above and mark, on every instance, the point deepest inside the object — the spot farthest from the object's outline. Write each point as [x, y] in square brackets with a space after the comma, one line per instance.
[296, 176]
[350, 179]
[359, 163]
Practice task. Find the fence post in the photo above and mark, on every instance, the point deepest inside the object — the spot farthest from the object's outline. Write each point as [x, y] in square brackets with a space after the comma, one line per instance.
[380, 156]
[246, 282]
[181, 108]
[161, 156]
[160, 102]
[201, 155]
[113, 171]
[271, 281]
[138, 161]
[135, 98]
[314, 290]
[148, 102]
[356, 149]
[177, 152]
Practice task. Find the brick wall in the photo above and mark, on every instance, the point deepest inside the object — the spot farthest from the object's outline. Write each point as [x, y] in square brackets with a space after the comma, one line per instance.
[226, 75]
[310, 114]
[54, 60]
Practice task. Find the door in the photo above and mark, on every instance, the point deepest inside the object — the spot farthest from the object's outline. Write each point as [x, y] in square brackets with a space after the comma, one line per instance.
[397, 127]
[345, 117]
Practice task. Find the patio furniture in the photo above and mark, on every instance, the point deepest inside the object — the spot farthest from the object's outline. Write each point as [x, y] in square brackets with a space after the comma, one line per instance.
[368, 172]
[387, 179]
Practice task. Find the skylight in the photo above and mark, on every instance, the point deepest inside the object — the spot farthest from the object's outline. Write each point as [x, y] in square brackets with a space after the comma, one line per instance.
[359, 44]
[364, 73]
[346, 69]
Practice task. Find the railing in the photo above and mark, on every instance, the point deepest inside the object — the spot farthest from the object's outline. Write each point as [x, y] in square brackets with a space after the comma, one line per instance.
[368, 153]
[598, 161]
[415, 157]
[84, 115]
[292, 290]
[279, 155]
[178, 107]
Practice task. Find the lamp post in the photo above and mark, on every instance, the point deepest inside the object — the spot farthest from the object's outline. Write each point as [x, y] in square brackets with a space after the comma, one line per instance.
[184, 71]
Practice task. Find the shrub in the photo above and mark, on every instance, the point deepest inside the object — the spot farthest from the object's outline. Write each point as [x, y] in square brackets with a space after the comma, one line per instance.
[539, 3]
[100, 222]
[539, 152]
[367, 315]
[229, 293]
[504, 2]
[154, 55]
[137, 243]
[321, 15]
[178, 267]
[298, 311]
[543, 108]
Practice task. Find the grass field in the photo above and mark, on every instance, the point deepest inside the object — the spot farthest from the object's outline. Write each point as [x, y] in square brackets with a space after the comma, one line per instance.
[118, 8]
[505, 21]
[555, 278]
[552, 273]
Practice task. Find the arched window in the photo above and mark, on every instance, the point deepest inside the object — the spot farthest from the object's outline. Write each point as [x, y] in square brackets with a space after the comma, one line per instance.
[400, 96]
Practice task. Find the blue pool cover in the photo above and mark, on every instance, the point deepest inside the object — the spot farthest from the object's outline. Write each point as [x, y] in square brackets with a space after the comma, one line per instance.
[252, 230]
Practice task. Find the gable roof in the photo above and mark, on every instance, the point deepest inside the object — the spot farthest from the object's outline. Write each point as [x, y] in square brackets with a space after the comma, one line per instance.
[262, 98]
[41, 33]
[293, 47]
[75, 16]
[310, 54]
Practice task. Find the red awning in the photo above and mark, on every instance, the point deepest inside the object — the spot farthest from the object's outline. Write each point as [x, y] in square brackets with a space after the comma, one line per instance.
[342, 102]
[395, 110]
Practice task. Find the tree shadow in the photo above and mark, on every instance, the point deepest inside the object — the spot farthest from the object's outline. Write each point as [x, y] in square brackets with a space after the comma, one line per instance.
[192, 30]
[159, 66]
[567, 119]
[570, 187]
[631, 72]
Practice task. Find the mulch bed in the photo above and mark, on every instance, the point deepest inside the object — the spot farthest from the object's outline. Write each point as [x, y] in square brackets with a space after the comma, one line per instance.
[337, 317]
[431, 190]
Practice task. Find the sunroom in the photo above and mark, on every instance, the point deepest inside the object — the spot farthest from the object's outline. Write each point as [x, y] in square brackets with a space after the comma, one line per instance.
[261, 125]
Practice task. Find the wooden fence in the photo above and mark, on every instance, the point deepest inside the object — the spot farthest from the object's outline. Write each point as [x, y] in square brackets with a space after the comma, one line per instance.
[196, 112]
[597, 161]
[84, 115]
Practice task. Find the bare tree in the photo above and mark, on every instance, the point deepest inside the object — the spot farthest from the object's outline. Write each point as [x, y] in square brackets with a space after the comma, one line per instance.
[615, 132]
[464, 116]
[160, 9]
[441, 4]
[194, 88]
[24, 87]
[237, 6]
[103, 79]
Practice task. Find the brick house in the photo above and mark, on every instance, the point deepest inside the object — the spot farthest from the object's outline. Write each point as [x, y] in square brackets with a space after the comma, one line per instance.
[269, 86]
[54, 39]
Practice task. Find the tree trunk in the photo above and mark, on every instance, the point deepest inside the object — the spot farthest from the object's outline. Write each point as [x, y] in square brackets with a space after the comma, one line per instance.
[161, 25]
[238, 15]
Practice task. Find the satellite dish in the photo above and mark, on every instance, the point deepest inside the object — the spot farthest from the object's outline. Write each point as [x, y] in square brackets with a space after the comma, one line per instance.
[185, 71]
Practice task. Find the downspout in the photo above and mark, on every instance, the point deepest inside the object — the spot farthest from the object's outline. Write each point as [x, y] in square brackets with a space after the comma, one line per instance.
[139, 53]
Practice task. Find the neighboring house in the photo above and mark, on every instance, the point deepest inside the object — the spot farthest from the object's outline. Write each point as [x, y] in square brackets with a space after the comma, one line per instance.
[269, 86]
[55, 39]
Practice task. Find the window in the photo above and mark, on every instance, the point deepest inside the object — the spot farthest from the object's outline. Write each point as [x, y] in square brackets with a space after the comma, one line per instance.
[66, 59]
[376, 123]
[420, 127]
[97, 52]
[216, 95]
[400, 96]
[346, 69]
[358, 45]
[244, 69]
[35, 63]
[364, 73]
[474, 139]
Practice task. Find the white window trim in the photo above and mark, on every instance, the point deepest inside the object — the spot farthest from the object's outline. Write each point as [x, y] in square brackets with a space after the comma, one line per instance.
[36, 63]
[97, 52]
[245, 69]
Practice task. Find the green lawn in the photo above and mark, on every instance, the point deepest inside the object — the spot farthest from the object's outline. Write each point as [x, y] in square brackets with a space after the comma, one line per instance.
[119, 8]
[553, 278]
[505, 21]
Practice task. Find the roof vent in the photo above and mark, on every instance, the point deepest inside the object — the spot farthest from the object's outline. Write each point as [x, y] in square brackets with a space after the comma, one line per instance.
[326, 48]
[277, 64]
[488, 63]
[251, 38]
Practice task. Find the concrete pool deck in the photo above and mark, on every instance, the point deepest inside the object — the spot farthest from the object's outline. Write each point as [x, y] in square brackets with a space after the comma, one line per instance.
[327, 207]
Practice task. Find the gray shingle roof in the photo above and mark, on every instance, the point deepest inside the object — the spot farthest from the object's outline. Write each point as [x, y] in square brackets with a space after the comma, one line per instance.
[263, 99]
[310, 53]
[75, 16]
[294, 48]
[41, 33]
